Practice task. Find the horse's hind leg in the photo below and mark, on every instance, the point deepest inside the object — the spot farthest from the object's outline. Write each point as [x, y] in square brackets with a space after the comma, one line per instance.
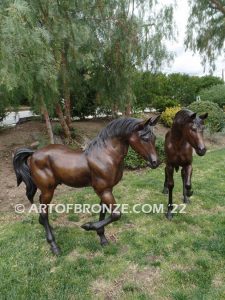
[101, 231]
[186, 174]
[46, 198]
[165, 188]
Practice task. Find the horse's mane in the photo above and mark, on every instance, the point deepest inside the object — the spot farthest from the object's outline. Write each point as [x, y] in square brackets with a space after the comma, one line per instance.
[182, 117]
[121, 127]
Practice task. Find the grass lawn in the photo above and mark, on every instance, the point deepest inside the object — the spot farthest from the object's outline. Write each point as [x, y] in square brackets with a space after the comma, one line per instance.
[148, 257]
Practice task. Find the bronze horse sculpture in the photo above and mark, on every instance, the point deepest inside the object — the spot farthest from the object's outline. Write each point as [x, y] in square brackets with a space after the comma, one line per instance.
[186, 133]
[99, 166]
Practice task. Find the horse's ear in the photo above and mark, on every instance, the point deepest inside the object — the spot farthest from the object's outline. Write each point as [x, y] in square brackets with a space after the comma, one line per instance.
[193, 116]
[203, 116]
[152, 121]
[140, 126]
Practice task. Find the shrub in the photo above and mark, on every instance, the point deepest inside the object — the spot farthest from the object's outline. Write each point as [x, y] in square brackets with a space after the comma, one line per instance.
[2, 111]
[215, 121]
[83, 107]
[214, 94]
[57, 130]
[168, 115]
[160, 148]
[135, 161]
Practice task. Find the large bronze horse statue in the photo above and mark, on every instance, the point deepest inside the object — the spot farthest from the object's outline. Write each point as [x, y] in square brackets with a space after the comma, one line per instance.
[186, 133]
[99, 166]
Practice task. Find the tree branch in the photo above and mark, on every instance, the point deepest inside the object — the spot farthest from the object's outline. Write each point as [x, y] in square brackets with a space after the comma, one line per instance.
[218, 6]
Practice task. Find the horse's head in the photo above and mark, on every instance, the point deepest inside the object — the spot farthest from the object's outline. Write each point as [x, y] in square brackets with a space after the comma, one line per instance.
[194, 132]
[142, 140]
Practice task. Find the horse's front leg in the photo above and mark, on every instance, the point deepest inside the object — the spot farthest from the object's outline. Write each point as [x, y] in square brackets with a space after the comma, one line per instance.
[186, 173]
[170, 184]
[165, 187]
[108, 199]
[101, 231]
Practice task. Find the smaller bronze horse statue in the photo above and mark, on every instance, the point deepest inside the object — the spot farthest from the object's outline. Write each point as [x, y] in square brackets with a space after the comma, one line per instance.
[99, 166]
[186, 133]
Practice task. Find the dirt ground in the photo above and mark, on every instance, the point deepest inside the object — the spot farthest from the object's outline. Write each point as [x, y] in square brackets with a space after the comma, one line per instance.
[27, 133]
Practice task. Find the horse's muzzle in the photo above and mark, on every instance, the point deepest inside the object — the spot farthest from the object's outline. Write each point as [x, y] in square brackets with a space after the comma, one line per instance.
[153, 164]
[201, 151]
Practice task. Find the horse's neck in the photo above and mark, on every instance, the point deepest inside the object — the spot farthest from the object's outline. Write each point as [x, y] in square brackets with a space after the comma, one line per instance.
[120, 147]
[177, 137]
[116, 149]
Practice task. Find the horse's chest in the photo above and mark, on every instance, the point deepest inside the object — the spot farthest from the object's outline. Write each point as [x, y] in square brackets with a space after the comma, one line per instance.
[179, 157]
[106, 170]
[119, 174]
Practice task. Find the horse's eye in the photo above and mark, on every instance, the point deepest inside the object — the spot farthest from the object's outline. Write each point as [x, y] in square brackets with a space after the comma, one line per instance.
[193, 128]
[145, 139]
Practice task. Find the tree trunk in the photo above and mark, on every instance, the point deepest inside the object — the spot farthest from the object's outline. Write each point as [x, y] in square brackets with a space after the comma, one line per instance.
[62, 121]
[68, 111]
[128, 110]
[114, 110]
[66, 91]
[48, 124]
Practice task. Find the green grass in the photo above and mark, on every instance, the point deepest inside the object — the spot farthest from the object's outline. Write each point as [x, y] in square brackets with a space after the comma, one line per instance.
[148, 256]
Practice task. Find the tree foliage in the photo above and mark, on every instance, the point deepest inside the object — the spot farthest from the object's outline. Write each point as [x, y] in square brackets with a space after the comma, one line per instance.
[160, 90]
[131, 35]
[205, 29]
[51, 50]
[214, 94]
[26, 62]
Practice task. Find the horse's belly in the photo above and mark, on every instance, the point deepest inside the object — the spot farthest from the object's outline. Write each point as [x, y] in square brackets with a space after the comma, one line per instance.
[80, 180]
[73, 175]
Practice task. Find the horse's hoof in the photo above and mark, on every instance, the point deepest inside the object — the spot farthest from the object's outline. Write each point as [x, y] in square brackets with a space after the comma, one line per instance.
[189, 193]
[165, 190]
[169, 216]
[87, 226]
[55, 250]
[104, 242]
[186, 201]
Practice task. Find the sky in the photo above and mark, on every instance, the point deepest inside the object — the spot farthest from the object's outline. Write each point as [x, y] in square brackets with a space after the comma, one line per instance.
[187, 61]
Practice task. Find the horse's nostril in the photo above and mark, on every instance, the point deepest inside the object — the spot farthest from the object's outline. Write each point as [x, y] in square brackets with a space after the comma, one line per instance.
[154, 163]
[201, 151]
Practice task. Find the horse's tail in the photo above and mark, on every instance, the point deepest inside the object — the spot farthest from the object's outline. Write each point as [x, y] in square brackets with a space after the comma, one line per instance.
[22, 171]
